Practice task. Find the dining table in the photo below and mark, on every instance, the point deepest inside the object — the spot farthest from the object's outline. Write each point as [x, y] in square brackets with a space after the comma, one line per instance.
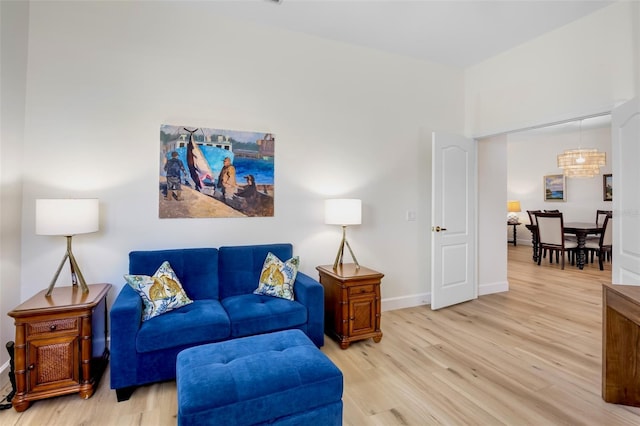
[580, 229]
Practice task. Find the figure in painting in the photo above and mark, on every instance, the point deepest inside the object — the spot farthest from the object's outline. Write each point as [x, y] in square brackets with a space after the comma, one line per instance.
[227, 180]
[174, 167]
[252, 202]
[249, 191]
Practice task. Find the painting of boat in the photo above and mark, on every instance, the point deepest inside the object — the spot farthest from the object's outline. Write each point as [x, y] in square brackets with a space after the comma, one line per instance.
[245, 188]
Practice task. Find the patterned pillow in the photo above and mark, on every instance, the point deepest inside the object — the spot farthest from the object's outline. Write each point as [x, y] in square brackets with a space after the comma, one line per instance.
[160, 293]
[277, 278]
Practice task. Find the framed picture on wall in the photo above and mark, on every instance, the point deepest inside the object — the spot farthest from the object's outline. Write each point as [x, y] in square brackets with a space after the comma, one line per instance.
[215, 173]
[555, 188]
[607, 187]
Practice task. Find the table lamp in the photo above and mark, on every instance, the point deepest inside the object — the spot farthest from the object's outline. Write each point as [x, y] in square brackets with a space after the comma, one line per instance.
[513, 207]
[344, 212]
[67, 217]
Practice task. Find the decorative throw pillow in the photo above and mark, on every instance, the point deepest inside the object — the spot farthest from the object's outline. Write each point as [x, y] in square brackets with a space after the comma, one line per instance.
[277, 277]
[160, 293]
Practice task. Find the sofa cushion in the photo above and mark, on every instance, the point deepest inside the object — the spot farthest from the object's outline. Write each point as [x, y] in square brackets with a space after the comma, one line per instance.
[160, 293]
[255, 314]
[196, 267]
[277, 277]
[203, 321]
[240, 266]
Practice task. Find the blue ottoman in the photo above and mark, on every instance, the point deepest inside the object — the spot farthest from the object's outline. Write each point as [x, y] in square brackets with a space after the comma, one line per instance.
[278, 378]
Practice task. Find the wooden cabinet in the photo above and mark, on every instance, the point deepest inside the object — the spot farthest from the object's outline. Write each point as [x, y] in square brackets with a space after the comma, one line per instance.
[620, 348]
[60, 345]
[351, 303]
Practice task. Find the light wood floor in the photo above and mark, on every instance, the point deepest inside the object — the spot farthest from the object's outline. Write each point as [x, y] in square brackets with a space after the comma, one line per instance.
[530, 356]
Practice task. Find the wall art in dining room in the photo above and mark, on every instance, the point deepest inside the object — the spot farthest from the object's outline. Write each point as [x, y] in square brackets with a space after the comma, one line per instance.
[555, 188]
[214, 173]
[607, 187]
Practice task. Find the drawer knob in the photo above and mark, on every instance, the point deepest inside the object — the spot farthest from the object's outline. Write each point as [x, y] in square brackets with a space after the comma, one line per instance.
[52, 327]
[31, 367]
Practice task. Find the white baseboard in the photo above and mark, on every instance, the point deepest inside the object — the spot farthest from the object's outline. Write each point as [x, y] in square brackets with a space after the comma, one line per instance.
[394, 303]
[524, 242]
[491, 288]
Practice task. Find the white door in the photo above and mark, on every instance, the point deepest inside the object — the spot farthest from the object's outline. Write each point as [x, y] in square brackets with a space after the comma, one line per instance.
[625, 150]
[453, 232]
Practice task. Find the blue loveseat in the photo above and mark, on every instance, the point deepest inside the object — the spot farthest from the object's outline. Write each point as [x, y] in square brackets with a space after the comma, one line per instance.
[221, 283]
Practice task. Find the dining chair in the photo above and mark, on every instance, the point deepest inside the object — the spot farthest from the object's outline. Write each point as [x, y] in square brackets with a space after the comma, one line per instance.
[531, 214]
[551, 237]
[551, 252]
[566, 236]
[534, 233]
[601, 215]
[604, 246]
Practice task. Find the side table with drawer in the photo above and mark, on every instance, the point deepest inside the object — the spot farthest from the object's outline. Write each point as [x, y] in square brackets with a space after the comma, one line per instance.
[61, 343]
[351, 302]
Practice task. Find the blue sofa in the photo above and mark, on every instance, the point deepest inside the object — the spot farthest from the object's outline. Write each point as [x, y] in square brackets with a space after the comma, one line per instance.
[221, 283]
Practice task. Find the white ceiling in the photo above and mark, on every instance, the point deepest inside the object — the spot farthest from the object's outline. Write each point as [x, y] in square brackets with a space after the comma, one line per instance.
[452, 32]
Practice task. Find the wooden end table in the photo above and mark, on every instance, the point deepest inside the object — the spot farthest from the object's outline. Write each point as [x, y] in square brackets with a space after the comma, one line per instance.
[515, 225]
[61, 343]
[351, 303]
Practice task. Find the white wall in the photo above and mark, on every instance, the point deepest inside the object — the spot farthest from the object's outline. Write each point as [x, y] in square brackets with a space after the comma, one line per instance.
[532, 154]
[348, 121]
[14, 25]
[585, 67]
[492, 192]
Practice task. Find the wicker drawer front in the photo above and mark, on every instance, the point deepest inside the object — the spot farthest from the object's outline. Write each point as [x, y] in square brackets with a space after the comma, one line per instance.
[52, 326]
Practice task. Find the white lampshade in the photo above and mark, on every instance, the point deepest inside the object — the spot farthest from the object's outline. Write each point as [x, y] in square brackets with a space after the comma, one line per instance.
[343, 211]
[67, 216]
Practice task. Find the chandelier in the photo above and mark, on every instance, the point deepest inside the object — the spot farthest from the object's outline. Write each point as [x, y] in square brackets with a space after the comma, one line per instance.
[581, 162]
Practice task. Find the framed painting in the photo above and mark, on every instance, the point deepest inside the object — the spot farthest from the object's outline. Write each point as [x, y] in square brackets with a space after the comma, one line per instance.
[215, 173]
[607, 187]
[555, 188]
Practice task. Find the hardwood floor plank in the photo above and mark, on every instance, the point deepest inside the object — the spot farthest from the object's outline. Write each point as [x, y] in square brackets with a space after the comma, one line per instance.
[529, 356]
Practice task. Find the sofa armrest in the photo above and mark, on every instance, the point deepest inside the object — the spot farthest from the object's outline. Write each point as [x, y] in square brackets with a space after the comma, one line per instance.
[310, 293]
[126, 318]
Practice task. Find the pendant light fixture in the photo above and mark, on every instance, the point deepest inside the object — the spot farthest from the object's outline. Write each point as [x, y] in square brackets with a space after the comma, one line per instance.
[581, 162]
